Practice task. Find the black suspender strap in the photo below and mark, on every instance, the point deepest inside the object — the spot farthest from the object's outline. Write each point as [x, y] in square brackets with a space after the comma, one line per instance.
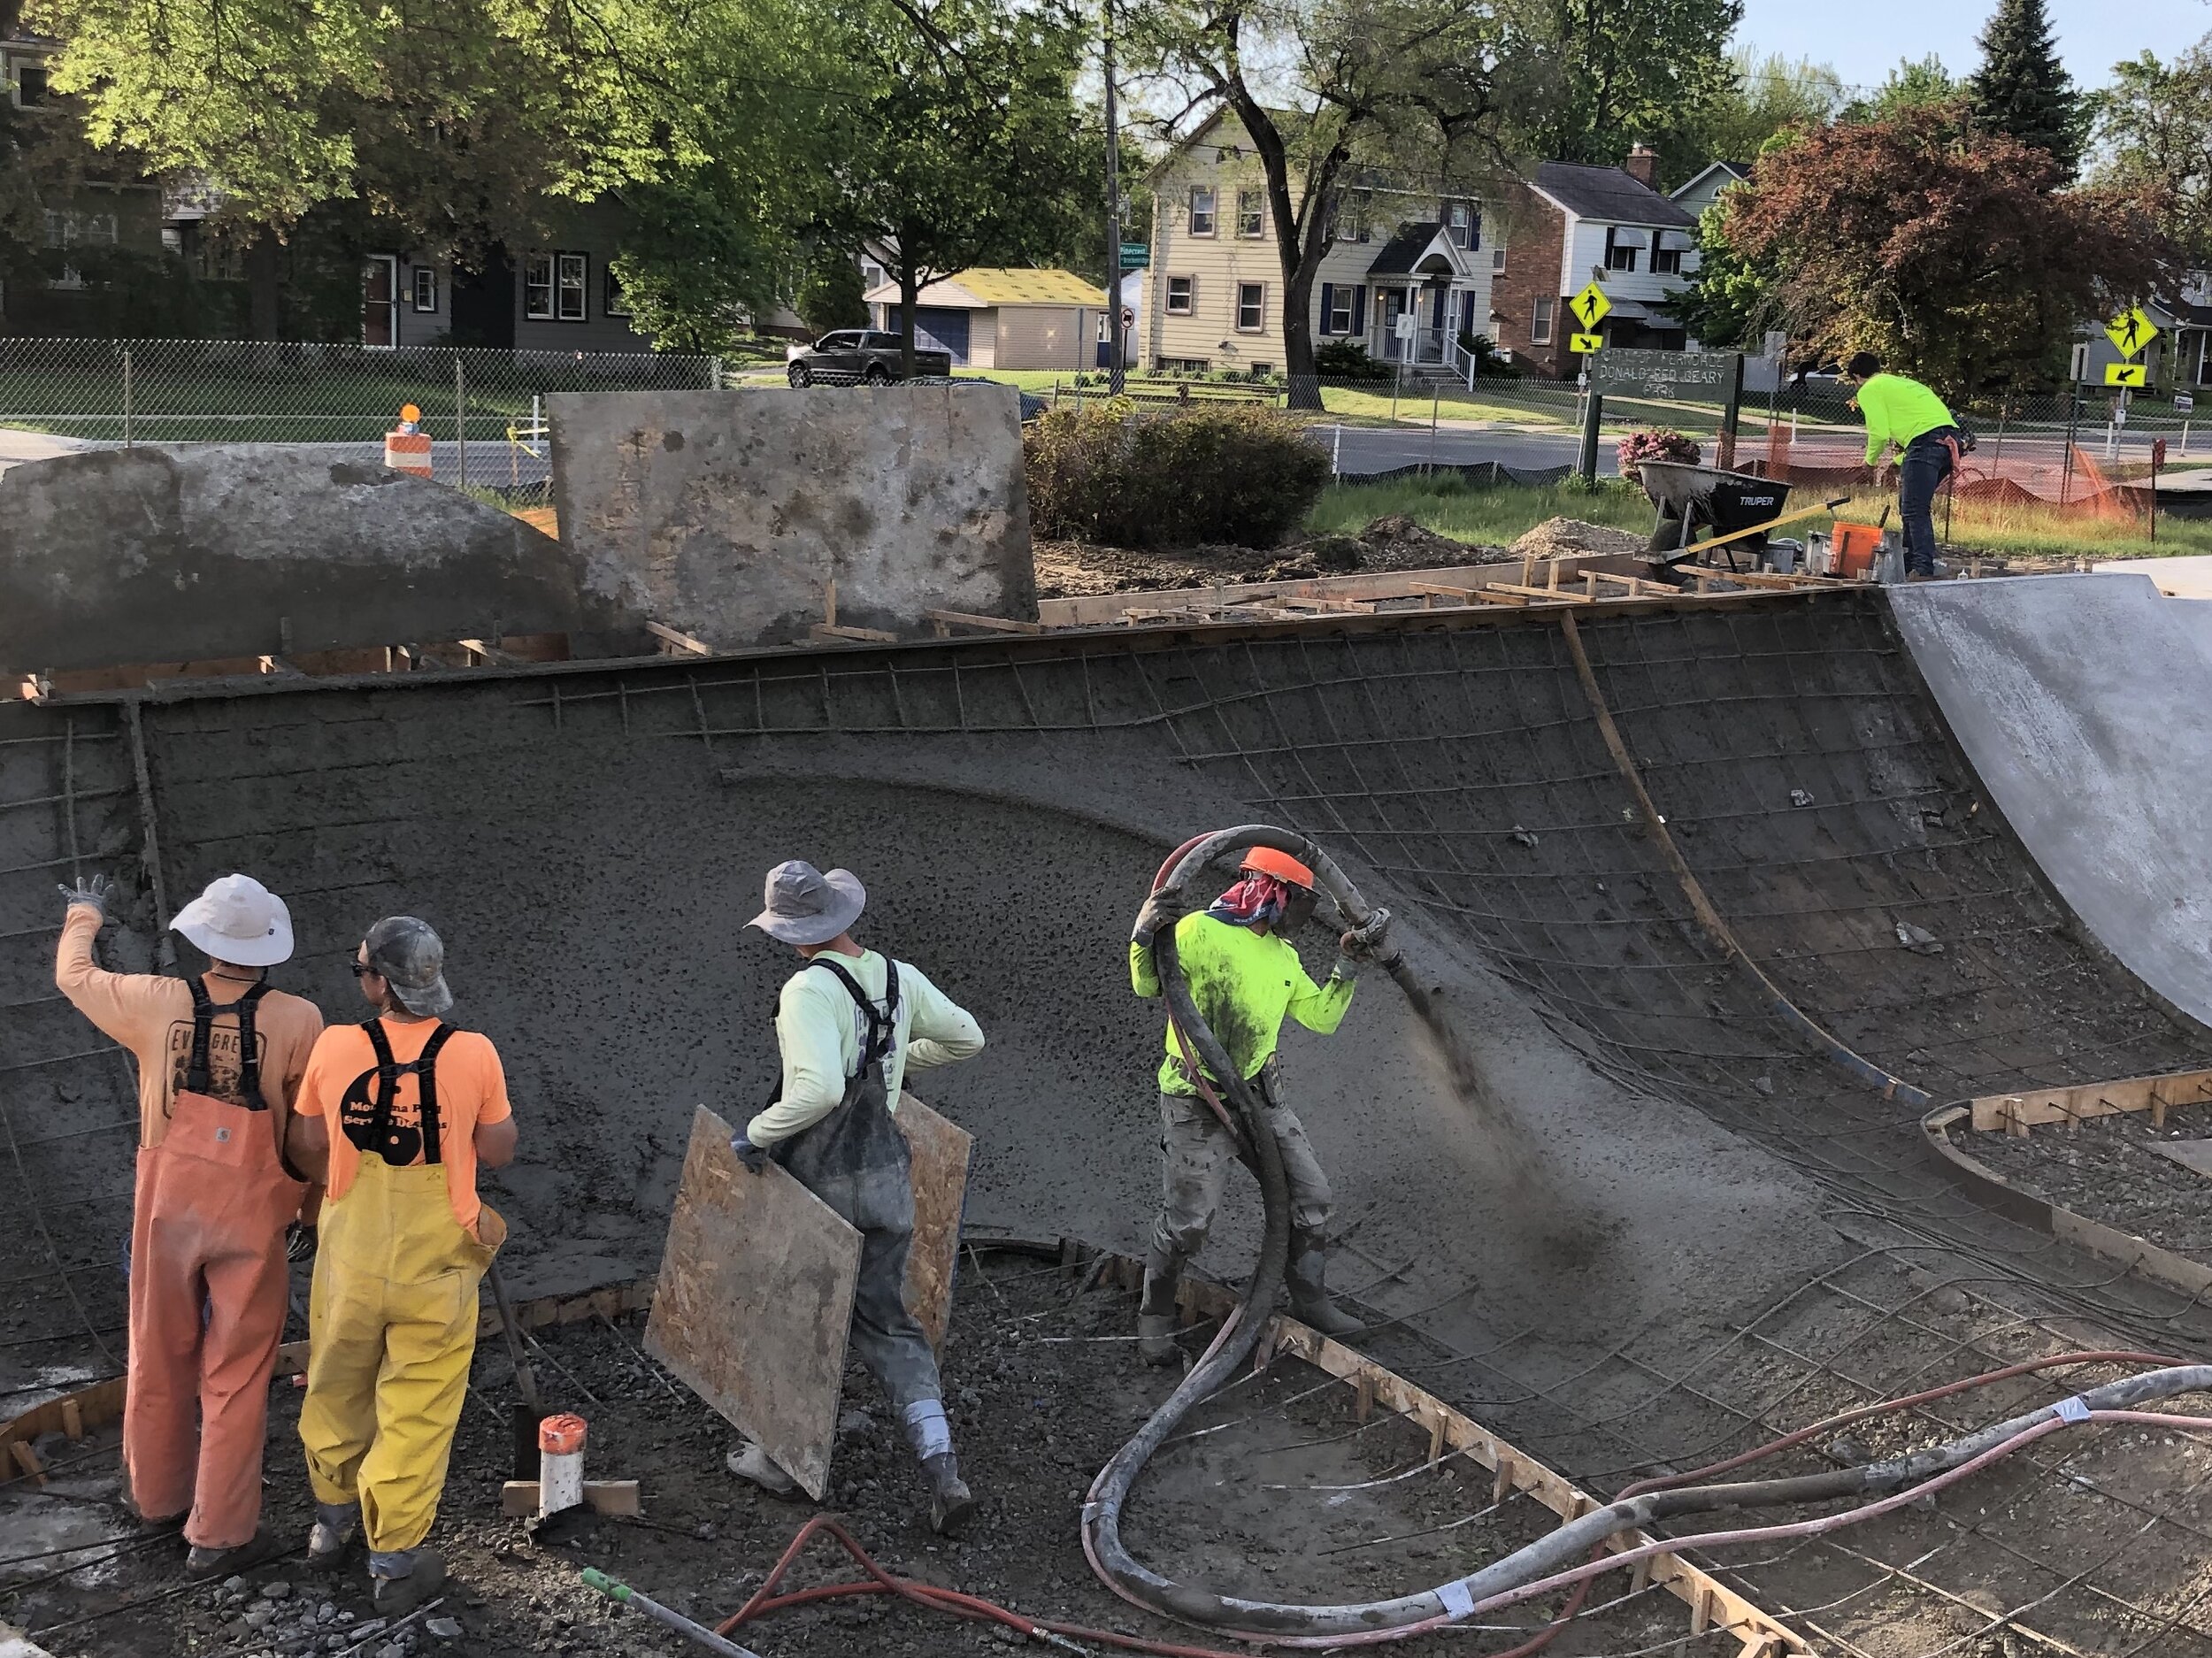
[883, 1027]
[388, 1071]
[197, 1077]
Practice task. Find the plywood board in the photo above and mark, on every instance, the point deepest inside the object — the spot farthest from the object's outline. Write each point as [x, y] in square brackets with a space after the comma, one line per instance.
[941, 1151]
[755, 1299]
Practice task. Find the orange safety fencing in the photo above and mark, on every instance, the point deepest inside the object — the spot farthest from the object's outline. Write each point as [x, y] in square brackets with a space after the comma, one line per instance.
[2026, 470]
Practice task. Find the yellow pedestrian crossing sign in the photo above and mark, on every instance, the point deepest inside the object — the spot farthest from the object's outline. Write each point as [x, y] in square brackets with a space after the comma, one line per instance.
[2125, 374]
[1583, 344]
[2131, 331]
[1590, 305]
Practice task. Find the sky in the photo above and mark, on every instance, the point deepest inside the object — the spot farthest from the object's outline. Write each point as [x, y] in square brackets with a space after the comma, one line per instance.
[1863, 40]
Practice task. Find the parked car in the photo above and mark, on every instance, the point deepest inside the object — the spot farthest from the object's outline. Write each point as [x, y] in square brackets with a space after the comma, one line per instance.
[1032, 404]
[857, 356]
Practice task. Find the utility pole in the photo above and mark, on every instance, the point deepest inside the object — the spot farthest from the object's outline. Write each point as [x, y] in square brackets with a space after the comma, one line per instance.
[1116, 346]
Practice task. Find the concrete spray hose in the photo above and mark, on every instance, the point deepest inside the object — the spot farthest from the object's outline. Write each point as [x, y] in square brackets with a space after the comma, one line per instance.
[1577, 1551]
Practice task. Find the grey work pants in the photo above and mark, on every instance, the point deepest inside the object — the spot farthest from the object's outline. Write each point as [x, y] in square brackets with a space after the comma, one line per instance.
[1197, 1150]
[885, 1337]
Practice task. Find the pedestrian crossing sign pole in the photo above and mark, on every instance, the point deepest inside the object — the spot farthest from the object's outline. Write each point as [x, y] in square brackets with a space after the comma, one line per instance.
[2129, 332]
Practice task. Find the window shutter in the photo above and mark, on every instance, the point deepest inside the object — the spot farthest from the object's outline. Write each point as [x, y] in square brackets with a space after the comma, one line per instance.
[1359, 308]
[1328, 304]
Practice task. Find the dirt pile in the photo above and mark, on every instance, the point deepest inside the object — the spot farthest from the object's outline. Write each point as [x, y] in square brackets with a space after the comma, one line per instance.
[1068, 569]
[1570, 538]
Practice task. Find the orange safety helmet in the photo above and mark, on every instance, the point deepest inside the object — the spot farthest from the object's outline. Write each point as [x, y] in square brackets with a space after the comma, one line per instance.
[1281, 865]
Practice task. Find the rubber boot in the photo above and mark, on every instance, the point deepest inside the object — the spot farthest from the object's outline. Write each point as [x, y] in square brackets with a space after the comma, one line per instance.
[221, 1563]
[397, 1594]
[1155, 1309]
[1310, 1300]
[750, 1462]
[335, 1524]
[950, 1501]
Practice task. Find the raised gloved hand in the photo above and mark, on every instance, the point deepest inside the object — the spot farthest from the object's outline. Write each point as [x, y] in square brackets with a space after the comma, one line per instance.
[89, 889]
[1371, 942]
[1161, 910]
[754, 1157]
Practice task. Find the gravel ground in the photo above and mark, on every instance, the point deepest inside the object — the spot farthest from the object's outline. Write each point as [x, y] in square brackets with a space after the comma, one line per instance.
[1043, 1387]
[2107, 1169]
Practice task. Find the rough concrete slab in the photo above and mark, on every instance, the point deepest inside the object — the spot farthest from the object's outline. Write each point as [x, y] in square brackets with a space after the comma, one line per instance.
[2187, 577]
[220, 551]
[726, 515]
[2081, 700]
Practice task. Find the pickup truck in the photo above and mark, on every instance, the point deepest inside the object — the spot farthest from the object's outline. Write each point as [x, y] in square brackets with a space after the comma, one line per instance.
[855, 356]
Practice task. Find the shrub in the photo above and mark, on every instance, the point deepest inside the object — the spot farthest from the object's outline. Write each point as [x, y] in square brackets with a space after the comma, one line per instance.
[1104, 473]
[1655, 443]
[1484, 349]
[1346, 359]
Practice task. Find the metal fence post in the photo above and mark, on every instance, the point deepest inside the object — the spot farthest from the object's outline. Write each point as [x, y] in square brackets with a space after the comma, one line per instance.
[127, 397]
[1731, 414]
[1436, 402]
[460, 418]
[1336, 453]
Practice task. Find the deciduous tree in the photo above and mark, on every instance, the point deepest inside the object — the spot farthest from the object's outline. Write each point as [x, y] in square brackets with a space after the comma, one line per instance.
[1621, 71]
[2154, 128]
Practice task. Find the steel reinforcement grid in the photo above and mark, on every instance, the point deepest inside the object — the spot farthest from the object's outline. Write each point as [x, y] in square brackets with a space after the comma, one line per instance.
[1797, 765]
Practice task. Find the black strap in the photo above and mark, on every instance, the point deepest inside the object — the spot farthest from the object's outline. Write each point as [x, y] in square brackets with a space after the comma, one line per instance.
[388, 1071]
[198, 1078]
[883, 1027]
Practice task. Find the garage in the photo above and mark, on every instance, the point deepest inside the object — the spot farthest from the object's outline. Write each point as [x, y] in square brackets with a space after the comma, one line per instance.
[993, 319]
[938, 328]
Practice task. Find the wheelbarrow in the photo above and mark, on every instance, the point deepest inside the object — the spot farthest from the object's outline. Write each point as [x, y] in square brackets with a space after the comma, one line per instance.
[1699, 500]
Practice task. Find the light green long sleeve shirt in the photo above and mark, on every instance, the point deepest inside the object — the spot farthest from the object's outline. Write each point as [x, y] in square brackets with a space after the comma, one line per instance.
[1245, 985]
[820, 1028]
[1897, 411]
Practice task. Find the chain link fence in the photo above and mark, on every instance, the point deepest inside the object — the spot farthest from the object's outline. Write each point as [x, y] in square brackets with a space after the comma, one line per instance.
[483, 409]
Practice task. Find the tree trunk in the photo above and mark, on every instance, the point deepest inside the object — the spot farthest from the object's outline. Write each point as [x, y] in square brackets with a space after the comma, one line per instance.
[264, 294]
[909, 291]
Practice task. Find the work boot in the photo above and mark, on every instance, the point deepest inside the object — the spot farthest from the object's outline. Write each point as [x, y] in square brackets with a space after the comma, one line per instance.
[749, 1461]
[950, 1501]
[397, 1593]
[1156, 1308]
[333, 1533]
[1310, 1300]
[221, 1563]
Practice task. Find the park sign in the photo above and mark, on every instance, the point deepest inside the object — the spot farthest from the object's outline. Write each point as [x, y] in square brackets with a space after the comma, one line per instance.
[2129, 332]
[1692, 376]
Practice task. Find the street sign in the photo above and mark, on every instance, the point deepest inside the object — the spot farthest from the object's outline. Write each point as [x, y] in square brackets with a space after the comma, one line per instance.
[1406, 325]
[1698, 376]
[1136, 256]
[1590, 305]
[1128, 318]
[2125, 374]
[2129, 332]
[1583, 344]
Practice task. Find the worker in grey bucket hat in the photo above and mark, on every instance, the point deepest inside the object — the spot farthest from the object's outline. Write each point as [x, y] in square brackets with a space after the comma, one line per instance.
[410, 959]
[850, 1024]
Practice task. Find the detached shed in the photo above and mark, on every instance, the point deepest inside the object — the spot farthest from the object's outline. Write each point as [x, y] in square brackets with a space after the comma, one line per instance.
[1003, 318]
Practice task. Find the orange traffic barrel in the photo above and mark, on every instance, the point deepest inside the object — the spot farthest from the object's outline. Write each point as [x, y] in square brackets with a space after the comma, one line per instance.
[408, 449]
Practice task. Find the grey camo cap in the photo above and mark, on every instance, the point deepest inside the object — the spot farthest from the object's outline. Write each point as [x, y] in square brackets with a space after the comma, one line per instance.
[410, 959]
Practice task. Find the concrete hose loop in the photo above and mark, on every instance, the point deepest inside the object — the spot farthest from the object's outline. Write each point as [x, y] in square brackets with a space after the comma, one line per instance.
[1541, 1566]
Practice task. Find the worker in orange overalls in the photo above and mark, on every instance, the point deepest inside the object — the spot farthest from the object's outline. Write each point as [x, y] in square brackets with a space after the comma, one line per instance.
[220, 1060]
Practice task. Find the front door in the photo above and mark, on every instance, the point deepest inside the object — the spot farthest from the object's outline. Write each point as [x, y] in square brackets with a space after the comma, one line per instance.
[1393, 307]
[379, 301]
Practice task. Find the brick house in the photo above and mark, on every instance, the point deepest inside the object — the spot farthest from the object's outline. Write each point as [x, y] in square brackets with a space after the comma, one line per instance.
[1578, 225]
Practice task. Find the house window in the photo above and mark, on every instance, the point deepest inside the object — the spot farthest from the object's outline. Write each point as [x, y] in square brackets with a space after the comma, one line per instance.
[1181, 295]
[1251, 307]
[1336, 311]
[425, 287]
[1202, 210]
[1540, 326]
[613, 301]
[1352, 214]
[1620, 251]
[1251, 213]
[871, 276]
[537, 288]
[1464, 224]
[30, 86]
[1497, 258]
[1666, 261]
[574, 274]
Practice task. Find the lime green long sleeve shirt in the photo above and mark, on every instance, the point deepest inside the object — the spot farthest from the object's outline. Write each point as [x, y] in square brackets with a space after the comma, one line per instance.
[1244, 984]
[1897, 411]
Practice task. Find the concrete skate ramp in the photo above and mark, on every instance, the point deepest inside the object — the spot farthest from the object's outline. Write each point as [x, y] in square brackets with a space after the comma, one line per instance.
[217, 550]
[2081, 700]
[730, 515]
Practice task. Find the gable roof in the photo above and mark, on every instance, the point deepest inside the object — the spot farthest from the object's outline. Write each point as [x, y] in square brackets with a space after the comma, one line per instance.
[1735, 170]
[1409, 248]
[1609, 193]
[983, 287]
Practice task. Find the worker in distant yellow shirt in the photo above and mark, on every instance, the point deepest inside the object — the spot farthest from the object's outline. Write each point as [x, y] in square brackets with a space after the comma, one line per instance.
[1905, 412]
[1245, 978]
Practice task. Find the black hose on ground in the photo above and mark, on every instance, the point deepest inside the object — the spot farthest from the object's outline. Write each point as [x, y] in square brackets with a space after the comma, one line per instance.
[1558, 1550]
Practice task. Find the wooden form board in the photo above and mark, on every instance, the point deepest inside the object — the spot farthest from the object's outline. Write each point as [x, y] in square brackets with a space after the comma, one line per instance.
[755, 1300]
[1354, 592]
[942, 1151]
[2017, 1113]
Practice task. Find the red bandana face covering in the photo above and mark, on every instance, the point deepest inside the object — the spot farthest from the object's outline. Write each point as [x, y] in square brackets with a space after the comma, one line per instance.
[1255, 897]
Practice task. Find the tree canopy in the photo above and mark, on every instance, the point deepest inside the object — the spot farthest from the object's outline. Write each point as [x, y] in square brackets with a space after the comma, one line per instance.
[2022, 89]
[2154, 131]
[1762, 98]
[1615, 73]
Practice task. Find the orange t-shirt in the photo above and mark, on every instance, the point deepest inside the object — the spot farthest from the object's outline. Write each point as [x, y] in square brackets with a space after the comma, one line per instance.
[340, 1086]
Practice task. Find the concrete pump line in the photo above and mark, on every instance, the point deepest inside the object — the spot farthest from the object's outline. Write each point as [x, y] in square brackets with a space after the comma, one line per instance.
[1563, 1557]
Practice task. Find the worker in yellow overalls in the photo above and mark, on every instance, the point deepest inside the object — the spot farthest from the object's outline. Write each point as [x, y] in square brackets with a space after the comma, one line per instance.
[417, 1106]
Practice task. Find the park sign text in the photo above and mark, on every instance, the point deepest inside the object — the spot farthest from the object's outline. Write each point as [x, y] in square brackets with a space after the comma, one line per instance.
[1698, 376]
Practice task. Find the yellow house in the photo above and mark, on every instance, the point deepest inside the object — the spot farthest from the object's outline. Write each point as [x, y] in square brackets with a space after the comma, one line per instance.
[1216, 285]
[1001, 318]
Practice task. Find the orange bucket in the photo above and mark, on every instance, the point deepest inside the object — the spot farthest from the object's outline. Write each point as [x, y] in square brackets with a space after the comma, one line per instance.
[1854, 548]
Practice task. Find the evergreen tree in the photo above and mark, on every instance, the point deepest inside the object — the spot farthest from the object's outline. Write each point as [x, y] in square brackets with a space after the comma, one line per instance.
[2023, 89]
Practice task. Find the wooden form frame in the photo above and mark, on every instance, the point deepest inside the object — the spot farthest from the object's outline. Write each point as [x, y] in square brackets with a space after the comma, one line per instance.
[2017, 1113]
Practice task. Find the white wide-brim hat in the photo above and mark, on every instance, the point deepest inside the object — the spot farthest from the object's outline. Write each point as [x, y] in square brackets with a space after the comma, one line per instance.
[805, 906]
[238, 920]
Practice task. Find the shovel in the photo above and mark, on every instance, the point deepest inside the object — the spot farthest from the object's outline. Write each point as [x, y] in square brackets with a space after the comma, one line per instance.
[529, 1411]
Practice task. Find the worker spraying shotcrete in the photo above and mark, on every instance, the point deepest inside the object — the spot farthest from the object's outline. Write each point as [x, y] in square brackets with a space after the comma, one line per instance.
[219, 1060]
[402, 1111]
[850, 1024]
[1245, 977]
